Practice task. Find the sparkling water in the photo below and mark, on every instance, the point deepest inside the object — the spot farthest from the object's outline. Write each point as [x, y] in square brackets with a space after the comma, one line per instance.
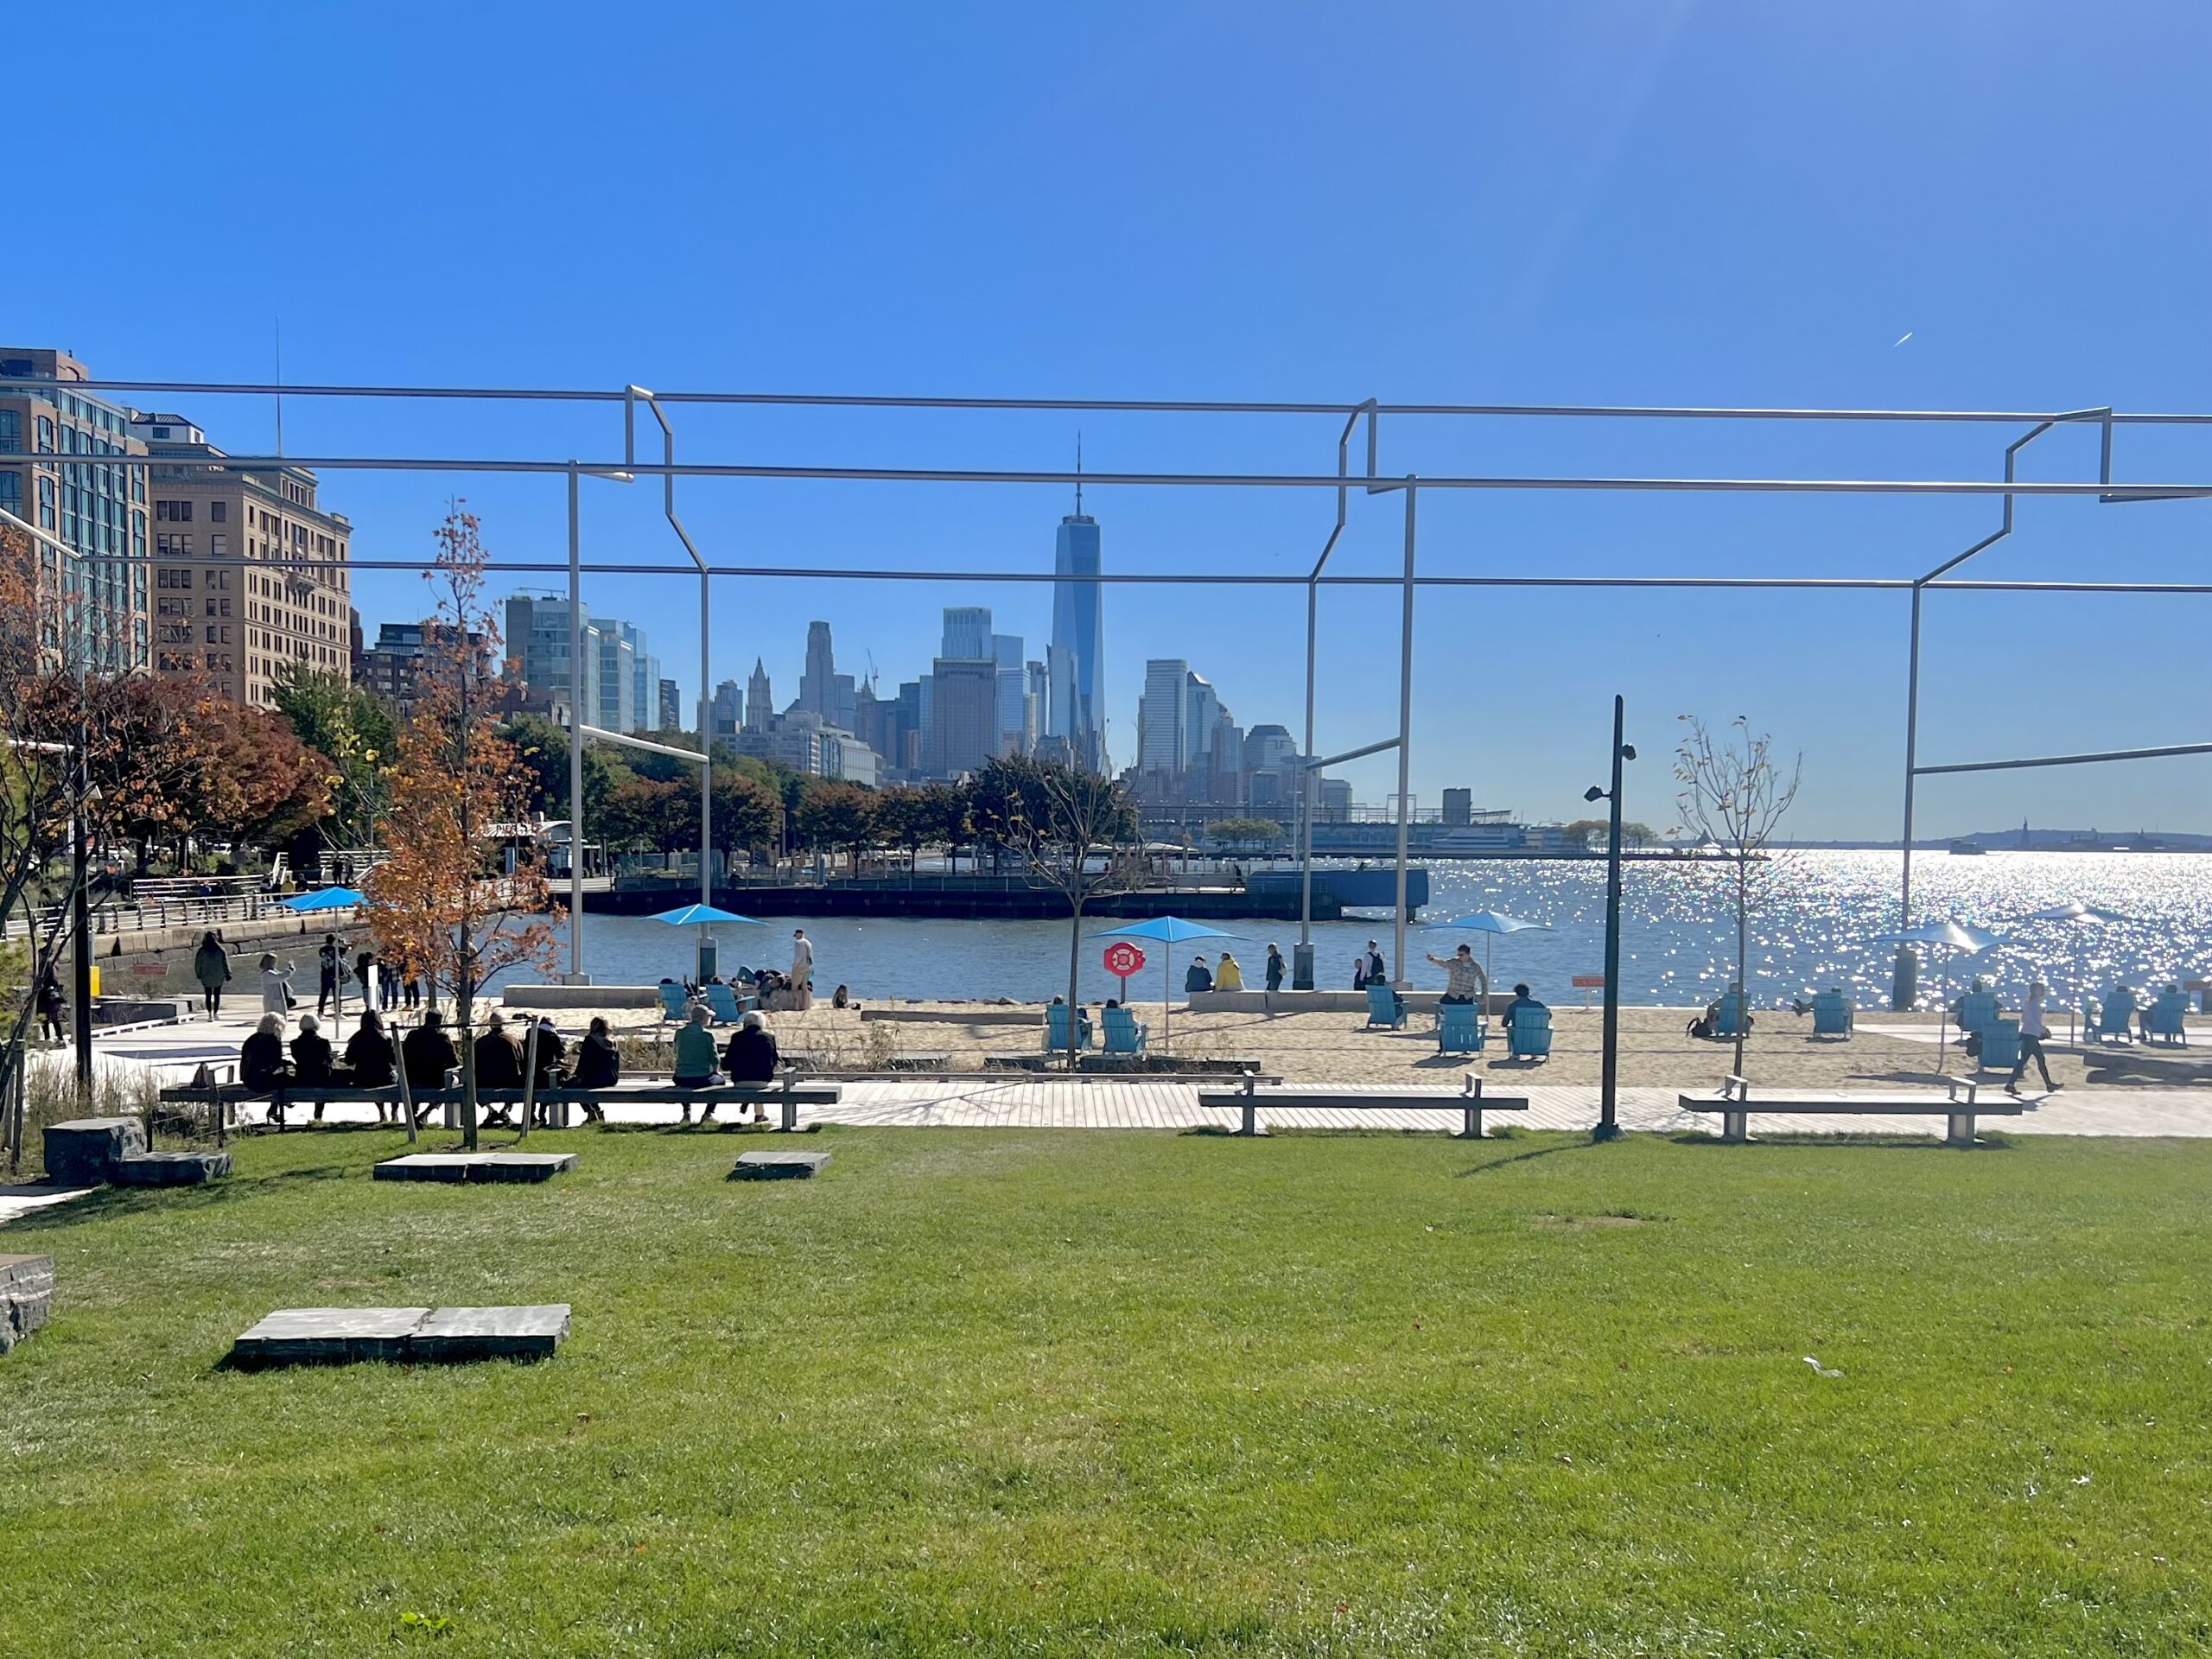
[1813, 928]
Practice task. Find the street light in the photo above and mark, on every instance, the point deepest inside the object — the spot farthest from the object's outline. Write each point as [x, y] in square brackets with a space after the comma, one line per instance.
[1608, 1123]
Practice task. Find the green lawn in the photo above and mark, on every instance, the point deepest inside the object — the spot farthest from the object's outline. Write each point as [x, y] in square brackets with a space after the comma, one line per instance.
[1089, 1393]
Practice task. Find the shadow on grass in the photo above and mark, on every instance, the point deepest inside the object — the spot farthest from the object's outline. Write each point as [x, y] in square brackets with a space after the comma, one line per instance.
[1810, 1140]
[1553, 1150]
[109, 1202]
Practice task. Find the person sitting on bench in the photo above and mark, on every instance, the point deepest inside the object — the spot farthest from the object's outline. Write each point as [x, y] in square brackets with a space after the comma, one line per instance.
[369, 1058]
[429, 1055]
[261, 1064]
[498, 1063]
[751, 1056]
[694, 1056]
[599, 1065]
[312, 1057]
[1521, 999]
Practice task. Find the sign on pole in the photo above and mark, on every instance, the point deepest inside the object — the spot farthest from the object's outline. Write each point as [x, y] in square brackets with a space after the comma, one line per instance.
[1123, 959]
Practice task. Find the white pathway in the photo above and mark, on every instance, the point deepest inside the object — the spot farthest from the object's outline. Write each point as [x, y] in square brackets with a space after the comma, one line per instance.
[173, 1051]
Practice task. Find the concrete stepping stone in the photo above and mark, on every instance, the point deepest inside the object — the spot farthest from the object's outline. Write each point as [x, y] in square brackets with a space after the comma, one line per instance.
[778, 1165]
[170, 1168]
[466, 1333]
[26, 1296]
[311, 1336]
[476, 1167]
[84, 1151]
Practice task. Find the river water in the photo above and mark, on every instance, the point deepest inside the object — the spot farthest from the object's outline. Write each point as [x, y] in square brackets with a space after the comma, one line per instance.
[1814, 930]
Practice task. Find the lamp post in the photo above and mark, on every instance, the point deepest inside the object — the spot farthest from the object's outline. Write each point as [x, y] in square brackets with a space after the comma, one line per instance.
[1608, 1122]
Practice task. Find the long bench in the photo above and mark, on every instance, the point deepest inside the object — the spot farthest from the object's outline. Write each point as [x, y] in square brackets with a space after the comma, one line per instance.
[1470, 1102]
[1735, 1105]
[788, 1094]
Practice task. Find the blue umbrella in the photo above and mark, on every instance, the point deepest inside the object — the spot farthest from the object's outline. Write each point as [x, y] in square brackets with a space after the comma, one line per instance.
[324, 899]
[1170, 930]
[702, 916]
[1491, 921]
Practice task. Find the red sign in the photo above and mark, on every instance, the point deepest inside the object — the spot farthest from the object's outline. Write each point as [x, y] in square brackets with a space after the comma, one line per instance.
[1123, 958]
[1589, 981]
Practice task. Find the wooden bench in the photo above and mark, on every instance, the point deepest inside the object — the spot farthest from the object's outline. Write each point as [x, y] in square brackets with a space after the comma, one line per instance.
[1735, 1105]
[788, 1093]
[1470, 1102]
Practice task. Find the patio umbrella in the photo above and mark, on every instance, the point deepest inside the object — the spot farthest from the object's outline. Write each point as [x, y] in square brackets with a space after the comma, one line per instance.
[702, 916]
[1958, 936]
[1491, 923]
[2079, 915]
[1170, 930]
[324, 899]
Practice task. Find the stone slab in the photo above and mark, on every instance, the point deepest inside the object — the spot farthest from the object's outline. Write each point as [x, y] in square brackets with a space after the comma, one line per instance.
[476, 1167]
[778, 1165]
[83, 1152]
[297, 1336]
[452, 1334]
[170, 1168]
[26, 1296]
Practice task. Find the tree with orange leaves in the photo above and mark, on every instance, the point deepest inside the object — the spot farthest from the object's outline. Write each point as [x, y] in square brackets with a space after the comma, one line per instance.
[444, 905]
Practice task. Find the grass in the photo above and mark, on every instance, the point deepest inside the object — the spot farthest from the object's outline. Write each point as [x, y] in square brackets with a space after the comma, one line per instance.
[996, 1392]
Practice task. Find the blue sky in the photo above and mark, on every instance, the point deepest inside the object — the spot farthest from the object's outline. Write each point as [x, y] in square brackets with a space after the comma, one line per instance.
[1631, 203]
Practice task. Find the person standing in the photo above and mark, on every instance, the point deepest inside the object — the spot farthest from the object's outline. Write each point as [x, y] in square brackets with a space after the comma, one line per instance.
[50, 1008]
[1464, 980]
[1275, 968]
[210, 966]
[1375, 970]
[275, 987]
[2034, 1028]
[330, 974]
[802, 970]
[365, 973]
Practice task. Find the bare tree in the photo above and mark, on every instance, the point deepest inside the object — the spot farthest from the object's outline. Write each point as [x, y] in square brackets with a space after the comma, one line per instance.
[1733, 796]
[1076, 830]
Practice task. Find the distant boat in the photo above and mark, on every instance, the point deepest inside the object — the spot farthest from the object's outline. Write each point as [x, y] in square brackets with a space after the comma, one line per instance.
[1967, 849]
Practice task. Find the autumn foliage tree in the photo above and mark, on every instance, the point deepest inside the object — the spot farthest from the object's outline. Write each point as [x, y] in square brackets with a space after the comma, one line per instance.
[445, 907]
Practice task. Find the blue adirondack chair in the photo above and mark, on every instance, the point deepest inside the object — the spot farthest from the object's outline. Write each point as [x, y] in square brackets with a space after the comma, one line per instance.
[2001, 1045]
[2116, 1020]
[1724, 1022]
[1977, 1011]
[1833, 1015]
[2169, 1018]
[1385, 1007]
[673, 1002]
[1056, 1029]
[723, 1001]
[1528, 1034]
[1460, 1028]
[1125, 1033]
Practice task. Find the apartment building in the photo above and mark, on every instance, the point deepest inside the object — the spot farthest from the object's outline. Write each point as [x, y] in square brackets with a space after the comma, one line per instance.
[250, 573]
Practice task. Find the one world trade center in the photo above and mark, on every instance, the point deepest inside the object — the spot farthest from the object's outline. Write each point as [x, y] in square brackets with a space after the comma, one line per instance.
[1076, 662]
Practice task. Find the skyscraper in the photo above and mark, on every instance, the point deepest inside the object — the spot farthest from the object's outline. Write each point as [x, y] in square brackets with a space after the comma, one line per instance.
[967, 632]
[1076, 663]
[759, 708]
[1163, 715]
[1012, 736]
[822, 689]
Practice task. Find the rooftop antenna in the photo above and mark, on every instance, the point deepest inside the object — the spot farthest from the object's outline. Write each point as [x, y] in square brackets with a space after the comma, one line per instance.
[1078, 472]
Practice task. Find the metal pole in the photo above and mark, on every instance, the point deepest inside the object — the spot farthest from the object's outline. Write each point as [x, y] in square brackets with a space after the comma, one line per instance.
[576, 738]
[80, 923]
[1405, 734]
[1608, 1120]
[706, 749]
[1904, 989]
[1301, 962]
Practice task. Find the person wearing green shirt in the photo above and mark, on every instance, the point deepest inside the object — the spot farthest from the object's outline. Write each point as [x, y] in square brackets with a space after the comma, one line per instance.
[695, 1056]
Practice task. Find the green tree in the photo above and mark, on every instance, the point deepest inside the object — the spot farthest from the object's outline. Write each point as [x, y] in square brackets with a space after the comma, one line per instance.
[837, 817]
[1243, 832]
[352, 730]
[542, 749]
[748, 814]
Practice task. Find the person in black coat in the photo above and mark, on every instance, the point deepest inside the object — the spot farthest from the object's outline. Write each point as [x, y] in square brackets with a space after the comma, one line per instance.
[262, 1065]
[498, 1064]
[369, 1057]
[428, 1054]
[550, 1052]
[312, 1057]
[750, 1055]
[599, 1065]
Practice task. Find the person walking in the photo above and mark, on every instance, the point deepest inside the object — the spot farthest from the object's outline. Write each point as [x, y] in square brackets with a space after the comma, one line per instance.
[275, 987]
[330, 974]
[210, 966]
[802, 970]
[1275, 968]
[1463, 980]
[2034, 1028]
